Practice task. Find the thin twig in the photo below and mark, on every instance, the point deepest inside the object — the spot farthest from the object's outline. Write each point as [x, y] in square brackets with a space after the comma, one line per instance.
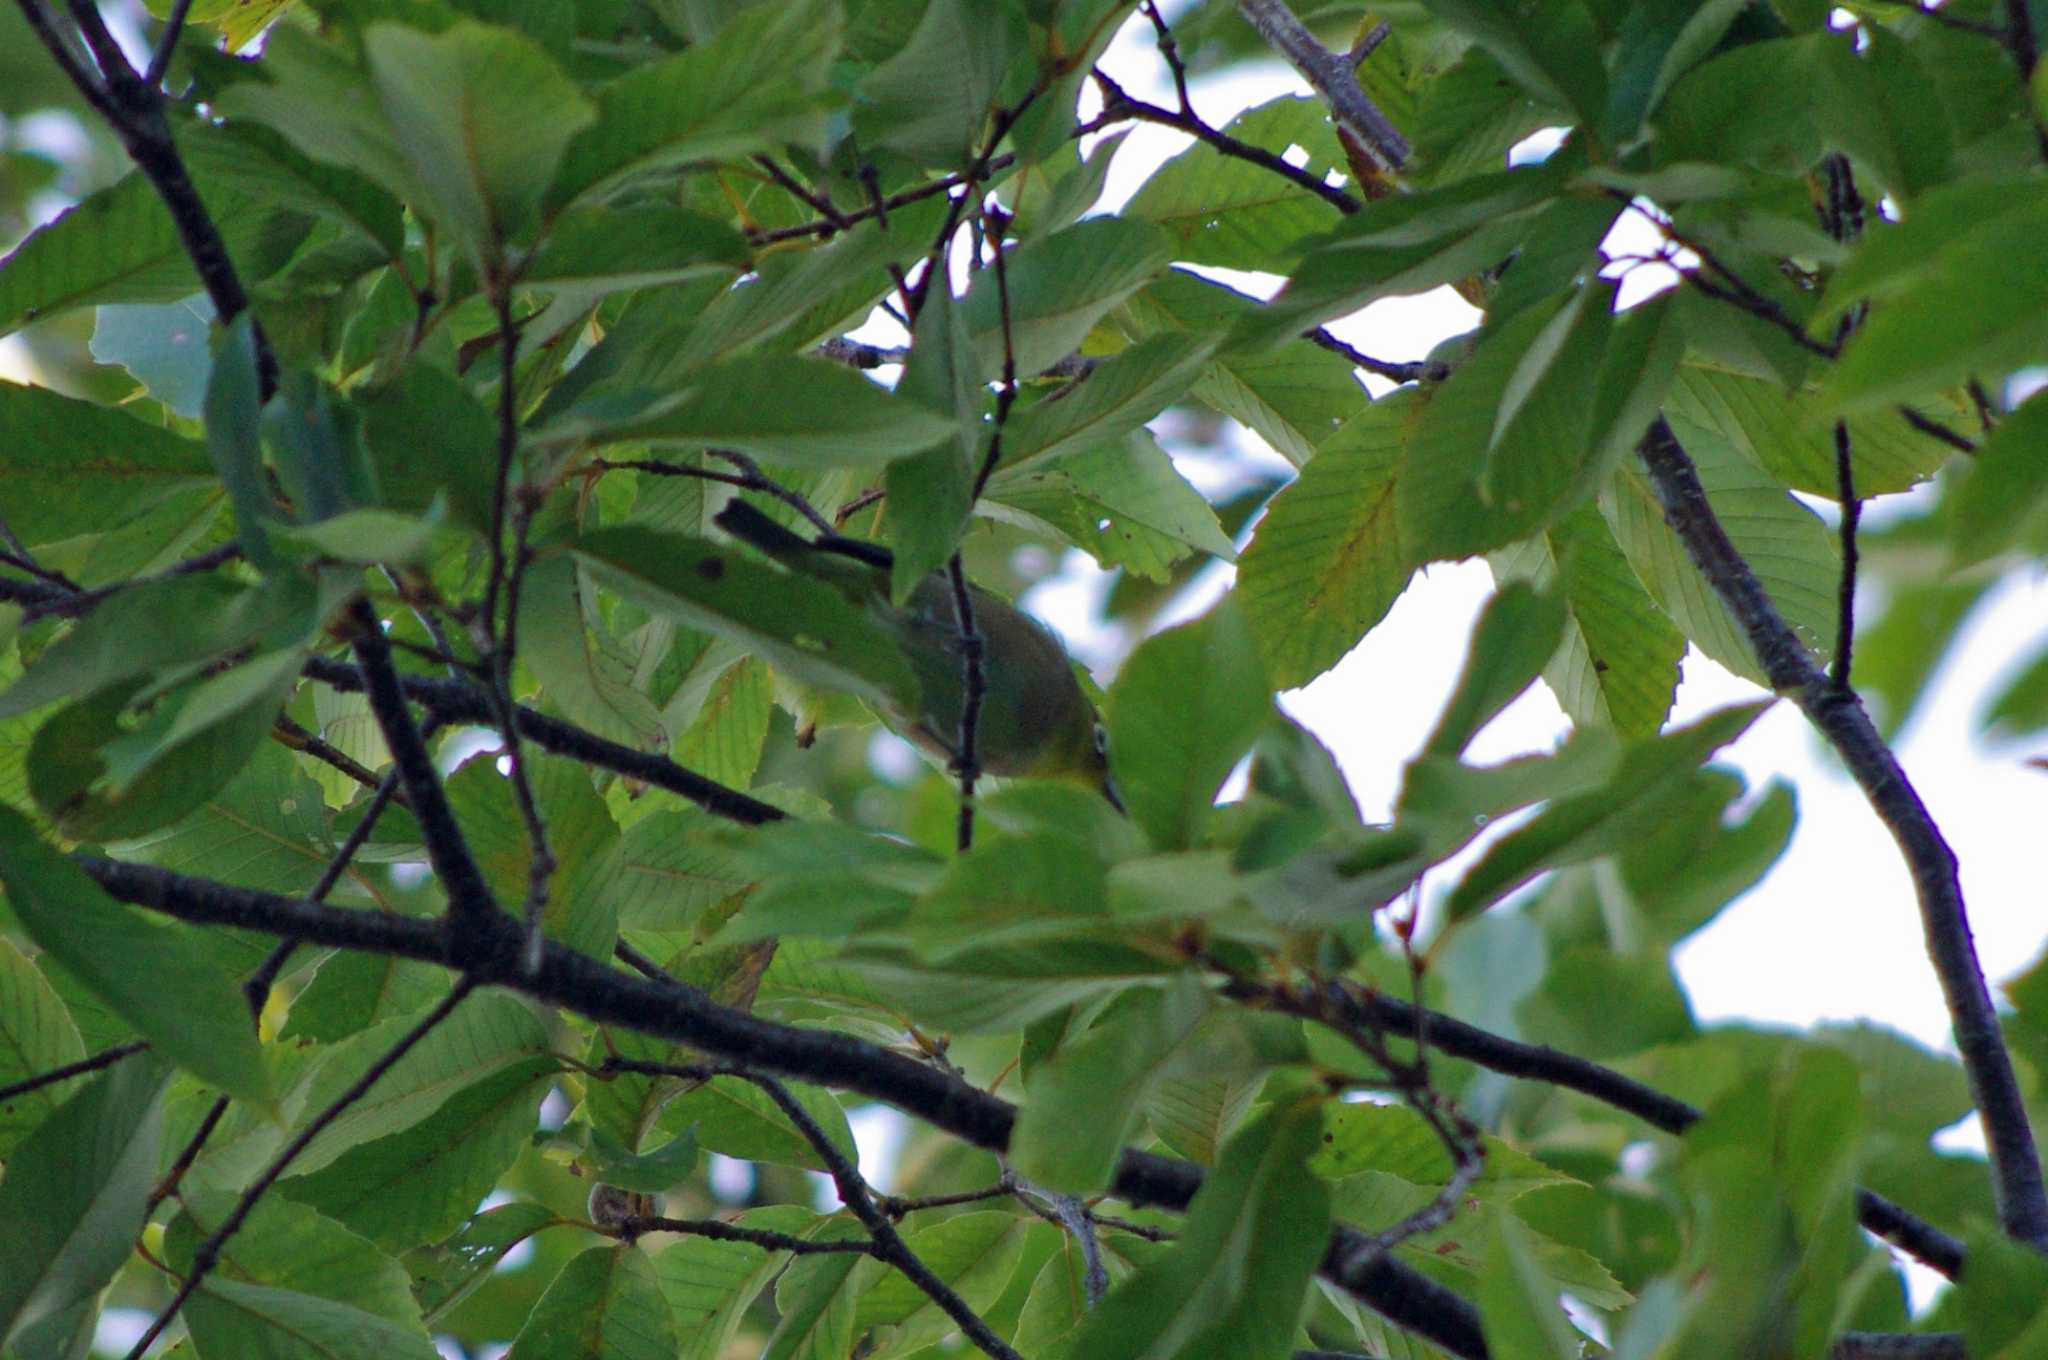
[889, 1244]
[504, 636]
[1420, 370]
[718, 1230]
[167, 45]
[1117, 101]
[454, 701]
[2022, 1202]
[850, 216]
[1933, 428]
[294, 736]
[106, 1057]
[207, 1254]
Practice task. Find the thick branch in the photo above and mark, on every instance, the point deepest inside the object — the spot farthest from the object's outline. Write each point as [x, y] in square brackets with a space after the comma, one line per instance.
[566, 978]
[1840, 717]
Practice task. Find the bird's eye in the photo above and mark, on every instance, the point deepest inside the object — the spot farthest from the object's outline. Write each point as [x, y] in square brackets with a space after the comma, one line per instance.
[1101, 740]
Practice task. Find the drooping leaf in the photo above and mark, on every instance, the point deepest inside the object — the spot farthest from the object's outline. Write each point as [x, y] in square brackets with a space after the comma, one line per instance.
[156, 977]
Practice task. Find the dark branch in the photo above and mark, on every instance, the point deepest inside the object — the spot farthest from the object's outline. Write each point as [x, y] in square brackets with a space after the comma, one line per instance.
[1117, 103]
[453, 701]
[106, 1057]
[2022, 1203]
[686, 1015]
[1845, 595]
[470, 902]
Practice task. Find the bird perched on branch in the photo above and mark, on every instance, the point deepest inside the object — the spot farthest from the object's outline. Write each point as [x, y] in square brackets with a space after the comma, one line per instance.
[1035, 720]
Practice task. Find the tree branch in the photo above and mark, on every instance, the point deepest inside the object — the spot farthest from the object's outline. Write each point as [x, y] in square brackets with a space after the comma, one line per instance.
[1841, 719]
[1117, 102]
[1331, 76]
[453, 701]
[471, 905]
[675, 1011]
[1539, 1062]
[106, 1057]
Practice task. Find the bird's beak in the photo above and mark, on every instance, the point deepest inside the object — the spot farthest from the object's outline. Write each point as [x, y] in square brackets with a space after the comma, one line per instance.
[1109, 791]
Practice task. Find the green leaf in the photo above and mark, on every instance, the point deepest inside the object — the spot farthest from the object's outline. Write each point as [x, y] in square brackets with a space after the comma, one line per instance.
[1862, 102]
[481, 117]
[1514, 638]
[815, 1300]
[254, 1319]
[76, 1190]
[724, 741]
[1235, 1279]
[929, 100]
[761, 81]
[1185, 708]
[1544, 50]
[930, 494]
[581, 833]
[1294, 397]
[1009, 890]
[420, 1184]
[36, 1036]
[585, 674]
[1501, 448]
[1953, 310]
[1118, 395]
[611, 249]
[1058, 287]
[710, 1285]
[449, 1271]
[1786, 436]
[1604, 819]
[737, 1118]
[254, 160]
[606, 1304]
[70, 468]
[288, 1246]
[163, 347]
[805, 412]
[1124, 503]
[234, 411]
[1519, 1304]
[1394, 1141]
[1087, 1098]
[1229, 212]
[2004, 486]
[975, 1254]
[485, 1036]
[1657, 44]
[119, 245]
[1407, 243]
[1326, 562]
[156, 977]
[1618, 663]
[801, 626]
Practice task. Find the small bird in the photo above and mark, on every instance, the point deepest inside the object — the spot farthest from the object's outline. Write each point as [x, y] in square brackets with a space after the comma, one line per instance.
[1035, 720]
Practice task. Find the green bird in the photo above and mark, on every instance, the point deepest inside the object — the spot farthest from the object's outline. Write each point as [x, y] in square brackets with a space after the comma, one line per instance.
[1035, 720]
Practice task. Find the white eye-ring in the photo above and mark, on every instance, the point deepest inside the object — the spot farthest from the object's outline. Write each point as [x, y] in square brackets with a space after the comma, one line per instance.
[1101, 740]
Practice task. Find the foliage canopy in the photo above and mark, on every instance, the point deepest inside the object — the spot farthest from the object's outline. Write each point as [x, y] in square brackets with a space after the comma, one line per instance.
[414, 803]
